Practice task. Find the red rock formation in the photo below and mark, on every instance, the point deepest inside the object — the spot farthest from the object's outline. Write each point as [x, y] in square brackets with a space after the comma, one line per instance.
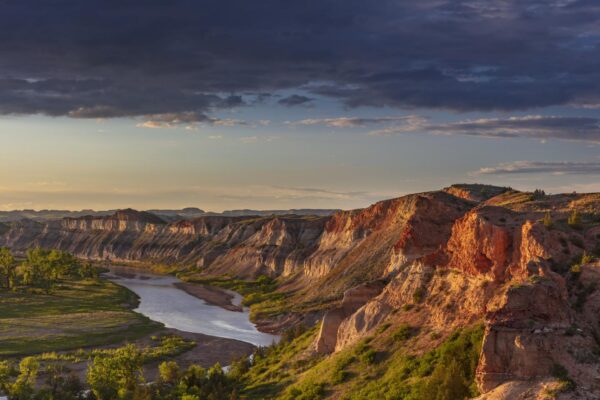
[454, 261]
[354, 298]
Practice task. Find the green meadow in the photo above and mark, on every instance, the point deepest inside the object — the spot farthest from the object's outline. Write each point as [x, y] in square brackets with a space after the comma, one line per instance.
[75, 314]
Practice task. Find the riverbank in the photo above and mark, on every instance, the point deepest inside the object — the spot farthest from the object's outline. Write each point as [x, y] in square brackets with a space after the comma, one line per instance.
[199, 309]
[210, 294]
[208, 351]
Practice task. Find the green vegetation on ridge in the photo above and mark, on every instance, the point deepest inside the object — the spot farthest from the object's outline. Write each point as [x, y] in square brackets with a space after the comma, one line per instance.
[380, 367]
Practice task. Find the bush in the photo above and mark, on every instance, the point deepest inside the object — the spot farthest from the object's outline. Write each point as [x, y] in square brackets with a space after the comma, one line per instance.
[168, 371]
[548, 223]
[403, 333]
[383, 328]
[561, 373]
[574, 220]
[586, 258]
[369, 357]
[418, 295]
[307, 391]
[340, 376]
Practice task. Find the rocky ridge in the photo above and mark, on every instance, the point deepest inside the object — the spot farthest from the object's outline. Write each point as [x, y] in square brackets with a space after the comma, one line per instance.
[454, 257]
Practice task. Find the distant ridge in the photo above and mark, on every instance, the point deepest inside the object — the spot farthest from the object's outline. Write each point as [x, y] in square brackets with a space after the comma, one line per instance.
[166, 215]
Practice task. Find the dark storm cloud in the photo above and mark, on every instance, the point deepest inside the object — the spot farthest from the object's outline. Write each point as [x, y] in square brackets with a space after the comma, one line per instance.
[586, 129]
[295, 100]
[532, 126]
[112, 58]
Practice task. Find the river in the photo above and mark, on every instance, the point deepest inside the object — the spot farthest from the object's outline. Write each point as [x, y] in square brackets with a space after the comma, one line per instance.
[161, 301]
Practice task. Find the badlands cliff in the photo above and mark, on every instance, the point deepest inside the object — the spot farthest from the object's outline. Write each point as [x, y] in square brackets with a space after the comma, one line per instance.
[520, 263]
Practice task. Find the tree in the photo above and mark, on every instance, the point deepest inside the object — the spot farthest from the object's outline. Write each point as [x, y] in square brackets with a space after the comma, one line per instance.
[23, 388]
[446, 382]
[239, 367]
[61, 384]
[168, 372]
[538, 194]
[43, 268]
[6, 372]
[87, 270]
[117, 375]
[7, 267]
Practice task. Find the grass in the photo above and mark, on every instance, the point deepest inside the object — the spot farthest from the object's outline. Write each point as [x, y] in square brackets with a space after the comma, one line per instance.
[76, 314]
[260, 294]
[375, 368]
[274, 371]
[161, 348]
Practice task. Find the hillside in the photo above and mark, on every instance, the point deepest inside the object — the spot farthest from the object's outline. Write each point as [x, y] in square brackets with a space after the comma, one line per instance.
[516, 272]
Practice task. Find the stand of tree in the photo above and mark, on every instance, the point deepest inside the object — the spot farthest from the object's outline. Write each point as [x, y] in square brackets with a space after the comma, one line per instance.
[41, 269]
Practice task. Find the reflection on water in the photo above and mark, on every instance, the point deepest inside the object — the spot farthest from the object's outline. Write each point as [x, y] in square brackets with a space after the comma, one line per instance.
[161, 301]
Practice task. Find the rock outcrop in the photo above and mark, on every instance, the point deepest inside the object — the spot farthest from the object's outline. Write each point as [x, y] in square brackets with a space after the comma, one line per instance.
[353, 299]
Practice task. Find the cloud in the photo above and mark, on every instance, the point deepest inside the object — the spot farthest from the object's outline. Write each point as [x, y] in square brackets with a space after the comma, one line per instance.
[173, 120]
[304, 192]
[255, 139]
[540, 167]
[229, 122]
[541, 127]
[353, 122]
[249, 139]
[98, 59]
[295, 100]
[187, 119]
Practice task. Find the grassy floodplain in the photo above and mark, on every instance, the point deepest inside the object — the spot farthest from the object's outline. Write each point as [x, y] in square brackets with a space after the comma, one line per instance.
[75, 314]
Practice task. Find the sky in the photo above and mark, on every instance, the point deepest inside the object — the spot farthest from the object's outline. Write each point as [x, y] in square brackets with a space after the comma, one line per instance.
[271, 104]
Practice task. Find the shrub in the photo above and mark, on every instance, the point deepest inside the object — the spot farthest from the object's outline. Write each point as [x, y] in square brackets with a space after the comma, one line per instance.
[448, 382]
[574, 220]
[435, 335]
[168, 371]
[571, 330]
[383, 328]
[548, 223]
[586, 258]
[418, 295]
[340, 376]
[404, 332]
[307, 391]
[361, 347]
[561, 373]
[369, 356]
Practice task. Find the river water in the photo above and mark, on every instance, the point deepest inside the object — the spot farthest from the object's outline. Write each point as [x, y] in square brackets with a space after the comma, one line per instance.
[161, 301]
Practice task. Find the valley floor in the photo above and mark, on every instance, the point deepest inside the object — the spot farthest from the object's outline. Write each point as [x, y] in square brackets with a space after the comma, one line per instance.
[78, 316]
